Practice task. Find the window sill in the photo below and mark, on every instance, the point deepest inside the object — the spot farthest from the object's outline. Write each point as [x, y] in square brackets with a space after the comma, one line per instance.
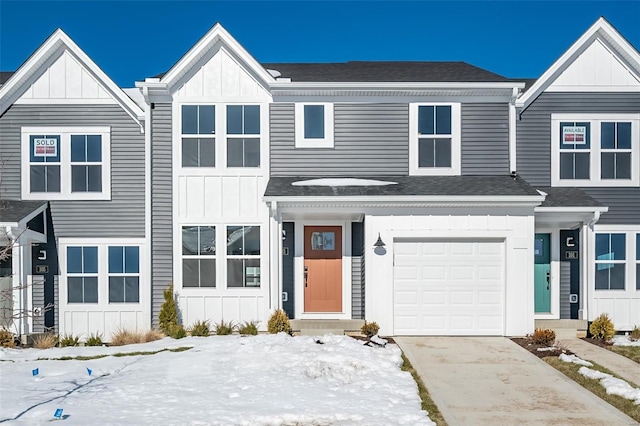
[314, 143]
[46, 196]
[435, 171]
[596, 183]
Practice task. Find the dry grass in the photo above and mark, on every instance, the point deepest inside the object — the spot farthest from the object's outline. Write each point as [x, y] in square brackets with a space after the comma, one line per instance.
[631, 352]
[571, 370]
[126, 337]
[151, 336]
[427, 403]
[45, 341]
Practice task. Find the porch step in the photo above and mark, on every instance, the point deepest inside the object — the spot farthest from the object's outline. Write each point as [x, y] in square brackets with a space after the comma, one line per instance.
[321, 327]
[564, 328]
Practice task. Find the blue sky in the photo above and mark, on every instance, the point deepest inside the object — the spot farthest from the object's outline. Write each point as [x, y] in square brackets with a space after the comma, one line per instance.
[131, 40]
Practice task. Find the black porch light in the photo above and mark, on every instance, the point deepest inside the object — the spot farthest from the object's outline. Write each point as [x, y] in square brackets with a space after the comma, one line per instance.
[379, 243]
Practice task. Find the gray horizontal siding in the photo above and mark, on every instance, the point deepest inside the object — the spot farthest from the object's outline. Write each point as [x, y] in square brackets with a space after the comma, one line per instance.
[370, 139]
[623, 203]
[565, 290]
[357, 287]
[123, 215]
[37, 300]
[485, 139]
[161, 206]
[534, 126]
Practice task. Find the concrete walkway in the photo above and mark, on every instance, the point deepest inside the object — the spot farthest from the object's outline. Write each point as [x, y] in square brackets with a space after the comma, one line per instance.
[622, 366]
[493, 381]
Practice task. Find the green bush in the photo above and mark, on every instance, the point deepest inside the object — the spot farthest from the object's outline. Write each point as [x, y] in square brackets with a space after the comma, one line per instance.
[602, 328]
[69, 340]
[6, 339]
[168, 315]
[248, 328]
[177, 331]
[223, 328]
[279, 322]
[543, 336]
[370, 329]
[94, 340]
[200, 328]
[635, 334]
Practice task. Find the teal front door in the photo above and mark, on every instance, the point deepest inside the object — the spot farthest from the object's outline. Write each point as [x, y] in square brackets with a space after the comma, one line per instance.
[542, 273]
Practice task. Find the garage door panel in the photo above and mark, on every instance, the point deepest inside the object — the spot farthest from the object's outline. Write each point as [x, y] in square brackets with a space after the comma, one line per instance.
[459, 272]
[432, 298]
[407, 273]
[432, 249]
[462, 298]
[407, 298]
[433, 273]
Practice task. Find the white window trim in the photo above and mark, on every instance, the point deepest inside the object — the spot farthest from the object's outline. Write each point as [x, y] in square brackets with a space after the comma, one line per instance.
[228, 257]
[456, 131]
[65, 163]
[328, 140]
[595, 150]
[213, 257]
[624, 262]
[636, 246]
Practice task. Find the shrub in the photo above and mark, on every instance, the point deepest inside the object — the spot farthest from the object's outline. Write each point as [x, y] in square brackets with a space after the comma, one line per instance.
[177, 331]
[7, 339]
[94, 340]
[370, 329]
[279, 322]
[122, 337]
[168, 314]
[602, 328]
[248, 328]
[45, 341]
[69, 340]
[200, 328]
[635, 334]
[151, 336]
[223, 328]
[543, 336]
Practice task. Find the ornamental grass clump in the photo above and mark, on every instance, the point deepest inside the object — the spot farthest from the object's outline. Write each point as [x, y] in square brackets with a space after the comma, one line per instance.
[248, 328]
[602, 328]
[370, 329]
[69, 340]
[223, 328]
[94, 340]
[543, 336]
[635, 334]
[200, 329]
[279, 322]
[45, 341]
[177, 331]
[6, 339]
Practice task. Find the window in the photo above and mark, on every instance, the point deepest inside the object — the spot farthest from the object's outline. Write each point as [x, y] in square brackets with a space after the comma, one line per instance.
[124, 274]
[82, 274]
[434, 147]
[243, 121]
[314, 125]
[610, 261]
[198, 256]
[637, 261]
[198, 136]
[66, 163]
[595, 149]
[243, 256]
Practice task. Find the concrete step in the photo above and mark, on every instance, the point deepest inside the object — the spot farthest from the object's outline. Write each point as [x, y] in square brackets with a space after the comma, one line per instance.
[319, 327]
[564, 328]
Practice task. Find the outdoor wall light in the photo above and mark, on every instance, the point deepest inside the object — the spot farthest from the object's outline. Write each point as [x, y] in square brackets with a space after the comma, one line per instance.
[379, 243]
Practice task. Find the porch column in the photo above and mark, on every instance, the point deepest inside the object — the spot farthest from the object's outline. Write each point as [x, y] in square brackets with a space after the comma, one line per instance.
[275, 257]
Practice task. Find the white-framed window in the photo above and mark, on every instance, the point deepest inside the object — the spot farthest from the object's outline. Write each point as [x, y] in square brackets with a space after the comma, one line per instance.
[243, 256]
[198, 134]
[124, 274]
[82, 274]
[595, 149]
[198, 256]
[314, 125]
[434, 139]
[66, 163]
[243, 135]
[610, 261]
[638, 261]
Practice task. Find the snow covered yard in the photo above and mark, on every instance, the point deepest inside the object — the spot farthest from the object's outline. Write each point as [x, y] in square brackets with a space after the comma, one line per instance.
[221, 380]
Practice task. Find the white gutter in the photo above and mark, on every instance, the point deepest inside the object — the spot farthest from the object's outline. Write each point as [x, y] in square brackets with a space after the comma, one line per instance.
[391, 199]
[597, 210]
[394, 85]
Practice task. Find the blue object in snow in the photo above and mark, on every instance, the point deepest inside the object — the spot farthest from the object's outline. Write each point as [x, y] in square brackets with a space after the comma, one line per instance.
[89, 371]
[58, 413]
[35, 371]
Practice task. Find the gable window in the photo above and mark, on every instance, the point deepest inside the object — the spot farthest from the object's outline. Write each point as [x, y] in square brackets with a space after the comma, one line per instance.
[66, 163]
[595, 149]
[314, 125]
[198, 256]
[124, 274]
[610, 261]
[198, 136]
[82, 274]
[243, 256]
[243, 136]
[434, 145]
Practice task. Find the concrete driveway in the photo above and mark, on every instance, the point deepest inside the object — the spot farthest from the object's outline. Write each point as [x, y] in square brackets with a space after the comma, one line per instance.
[493, 381]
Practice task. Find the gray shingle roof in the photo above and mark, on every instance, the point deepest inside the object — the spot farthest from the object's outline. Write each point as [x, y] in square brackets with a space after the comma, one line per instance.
[567, 197]
[407, 186]
[4, 76]
[14, 211]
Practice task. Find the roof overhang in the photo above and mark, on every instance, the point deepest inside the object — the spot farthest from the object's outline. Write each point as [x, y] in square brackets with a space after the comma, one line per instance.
[408, 201]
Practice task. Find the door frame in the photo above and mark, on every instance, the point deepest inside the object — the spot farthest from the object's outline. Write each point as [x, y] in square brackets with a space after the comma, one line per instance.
[298, 269]
[554, 260]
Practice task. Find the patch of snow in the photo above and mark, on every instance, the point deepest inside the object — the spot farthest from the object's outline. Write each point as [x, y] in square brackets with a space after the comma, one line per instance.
[574, 359]
[624, 341]
[613, 385]
[379, 340]
[221, 380]
[342, 182]
[549, 349]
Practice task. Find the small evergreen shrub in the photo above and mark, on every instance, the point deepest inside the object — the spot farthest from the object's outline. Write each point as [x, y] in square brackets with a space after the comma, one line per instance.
[168, 315]
[177, 331]
[370, 329]
[223, 328]
[602, 328]
[69, 340]
[45, 341]
[200, 328]
[6, 339]
[279, 322]
[635, 334]
[94, 340]
[248, 328]
[543, 336]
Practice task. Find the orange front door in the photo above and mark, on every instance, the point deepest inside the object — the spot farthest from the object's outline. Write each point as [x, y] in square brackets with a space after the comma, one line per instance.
[323, 269]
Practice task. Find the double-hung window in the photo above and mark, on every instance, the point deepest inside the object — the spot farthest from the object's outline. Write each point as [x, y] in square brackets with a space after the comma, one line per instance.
[638, 261]
[243, 256]
[595, 149]
[82, 274]
[610, 261]
[124, 274]
[198, 135]
[314, 125]
[70, 163]
[198, 256]
[434, 146]
[243, 136]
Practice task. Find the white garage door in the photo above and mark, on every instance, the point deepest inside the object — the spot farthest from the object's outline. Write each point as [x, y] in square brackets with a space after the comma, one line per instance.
[448, 288]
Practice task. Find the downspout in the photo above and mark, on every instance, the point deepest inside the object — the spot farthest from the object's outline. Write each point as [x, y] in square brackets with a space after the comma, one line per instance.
[586, 270]
[512, 130]
[147, 197]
